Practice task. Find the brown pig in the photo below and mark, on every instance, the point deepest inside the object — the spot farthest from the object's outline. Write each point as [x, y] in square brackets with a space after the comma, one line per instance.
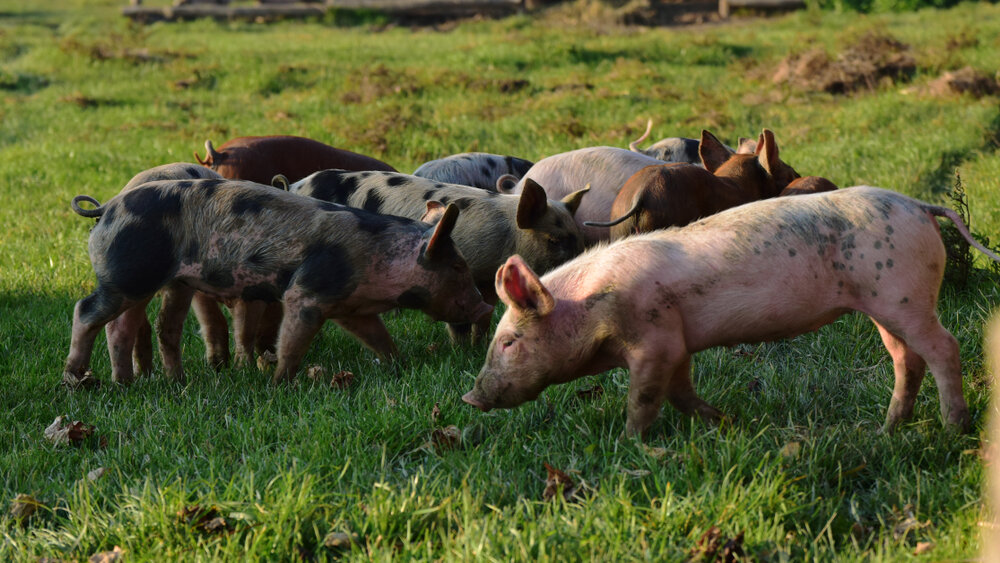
[651, 301]
[671, 195]
[808, 185]
[234, 239]
[259, 159]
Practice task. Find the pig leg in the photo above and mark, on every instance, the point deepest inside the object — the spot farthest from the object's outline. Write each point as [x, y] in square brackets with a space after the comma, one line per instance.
[122, 335]
[299, 326]
[90, 314]
[170, 327]
[246, 320]
[142, 353]
[267, 335]
[909, 370]
[214, 329]
[460, 333]
[648, 388]
[370, 330]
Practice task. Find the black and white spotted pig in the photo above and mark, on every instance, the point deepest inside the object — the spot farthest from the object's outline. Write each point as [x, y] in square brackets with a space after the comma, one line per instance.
[237, 239]
[476, 169]
[492, 226]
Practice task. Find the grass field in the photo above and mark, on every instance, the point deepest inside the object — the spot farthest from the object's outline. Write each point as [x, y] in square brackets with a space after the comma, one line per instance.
[87, 101]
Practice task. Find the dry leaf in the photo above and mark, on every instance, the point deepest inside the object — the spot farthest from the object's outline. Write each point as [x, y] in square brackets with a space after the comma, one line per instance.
[205, 520]
[755, 386]
[85, 381]
[447, 438]
[905, 521]
[435, 413]
[97, 473]
[342, 380]
[266, 360]
[23, 507]
[339, 540]
[655, 452]
[590, 393]
[432, 347]
[923, 547]
[106, 556]
[791, 450]
[710, 547]
[555, 480]
[60, 433]
[315, 372]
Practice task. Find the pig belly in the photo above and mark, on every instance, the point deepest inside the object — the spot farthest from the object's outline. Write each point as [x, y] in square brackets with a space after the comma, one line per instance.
[230, 283]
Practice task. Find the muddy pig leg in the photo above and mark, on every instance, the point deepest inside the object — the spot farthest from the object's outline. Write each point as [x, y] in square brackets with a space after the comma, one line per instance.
[170, 327]
[246, 320]
[214, 329]
[267, 335]
[299, 326]
[909, 370]
[123, 334]
[90, 314]
[481, 328]
[657, 377]
[370, 330]
[142, 352]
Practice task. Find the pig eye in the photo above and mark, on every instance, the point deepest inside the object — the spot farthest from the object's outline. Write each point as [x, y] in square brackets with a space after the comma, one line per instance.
[507, 343]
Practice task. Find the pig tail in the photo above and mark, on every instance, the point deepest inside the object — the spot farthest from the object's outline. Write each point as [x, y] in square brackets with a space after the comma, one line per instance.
[96, 212]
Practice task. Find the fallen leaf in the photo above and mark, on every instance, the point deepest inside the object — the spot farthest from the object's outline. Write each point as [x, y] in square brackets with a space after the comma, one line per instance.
[435, 413]
[315, 372]
[97, 473]
[432, 347]
[342, 380]
[85, 381]
[205, 520]
[23, 507]
[102, 443]
[923, 547]
[60, 433]
[555, 480]
[590, 393]
[655, 452]
[905, 522]
[791, 450]
[755, 386]
[710, 547]
[339, 540]
[447, 438]
[106, 556]
[266, 360]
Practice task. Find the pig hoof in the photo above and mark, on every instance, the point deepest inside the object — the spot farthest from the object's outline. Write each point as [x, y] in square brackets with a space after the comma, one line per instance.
[85, 381]
[218, 362]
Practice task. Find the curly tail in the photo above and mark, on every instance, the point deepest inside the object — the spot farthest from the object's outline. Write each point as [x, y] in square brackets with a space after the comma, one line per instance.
[280, 181]
[631, 213]
[951, 215]
[634, 145]
[96, 212]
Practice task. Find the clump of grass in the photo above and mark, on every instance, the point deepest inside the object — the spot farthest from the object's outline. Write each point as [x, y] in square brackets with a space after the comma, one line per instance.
[960, 267]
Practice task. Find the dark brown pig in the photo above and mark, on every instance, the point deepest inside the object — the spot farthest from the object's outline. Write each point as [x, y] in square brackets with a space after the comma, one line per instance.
[677, 194]
[651, 301]
[808, 185]
[492, 226]
[234, 239]
[259, 159]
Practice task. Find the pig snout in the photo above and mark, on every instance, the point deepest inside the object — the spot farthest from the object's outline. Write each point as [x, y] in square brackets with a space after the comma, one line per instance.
[473, 400]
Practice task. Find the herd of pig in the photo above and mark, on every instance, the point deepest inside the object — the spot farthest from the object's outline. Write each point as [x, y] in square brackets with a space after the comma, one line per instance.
[648, 256]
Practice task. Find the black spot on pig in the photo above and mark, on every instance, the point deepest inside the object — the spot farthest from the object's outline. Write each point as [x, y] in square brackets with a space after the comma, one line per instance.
[333, 185]
[791, 252]
[327, 271]
[184, 185]
[463, 202]
[207, 188]
[311, 315]
[438, 186]
[652, 315]
[366, 174]
[101, 303]
[878, 265]
[444, 200]
[374, 222]
[396, 181]
[888, 229]
[260, 292]
[216, 275]
[373, 202]
[193, 171]
[250, 202]
[191, 253]
[485, 170]
[140, 259]
[904, 300]
[155, 202]
[414, 298]
[428, 194]
[888, 263]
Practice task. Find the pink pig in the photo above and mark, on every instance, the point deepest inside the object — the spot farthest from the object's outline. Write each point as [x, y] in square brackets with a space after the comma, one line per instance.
[763, 271]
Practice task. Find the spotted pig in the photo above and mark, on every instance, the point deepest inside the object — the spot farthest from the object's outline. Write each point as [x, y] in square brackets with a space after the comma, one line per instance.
[492, 226]
[477, 169]
[235, 239]
[651, 301]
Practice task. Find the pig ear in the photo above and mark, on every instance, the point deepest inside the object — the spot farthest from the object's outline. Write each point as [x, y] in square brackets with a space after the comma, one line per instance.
[435, 210]
[442, 231]
[746, 146]
[519, 287]
[506, 183]
[767, 152]
[572, 201]
[712, 152]
[532, 206]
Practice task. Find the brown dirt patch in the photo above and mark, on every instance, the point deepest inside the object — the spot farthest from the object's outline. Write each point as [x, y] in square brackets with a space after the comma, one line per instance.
[963, 81]
[872, 60]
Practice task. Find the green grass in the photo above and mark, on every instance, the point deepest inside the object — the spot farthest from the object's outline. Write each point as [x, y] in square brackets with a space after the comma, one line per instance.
[87, 101]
